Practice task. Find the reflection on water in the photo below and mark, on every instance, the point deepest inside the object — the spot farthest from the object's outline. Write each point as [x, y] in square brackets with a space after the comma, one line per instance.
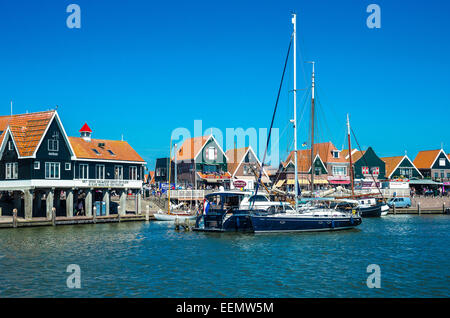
[153, 260]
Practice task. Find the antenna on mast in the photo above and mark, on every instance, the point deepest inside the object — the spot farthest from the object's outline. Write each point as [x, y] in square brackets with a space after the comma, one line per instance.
[11, 108]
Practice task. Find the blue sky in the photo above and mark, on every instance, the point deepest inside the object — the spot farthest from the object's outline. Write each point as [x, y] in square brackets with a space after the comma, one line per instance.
[144, 68]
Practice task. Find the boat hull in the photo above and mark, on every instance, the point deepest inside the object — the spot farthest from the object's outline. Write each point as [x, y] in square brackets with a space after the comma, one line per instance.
[236, 222]
[374, 211]
[271, 224]
[173, 217]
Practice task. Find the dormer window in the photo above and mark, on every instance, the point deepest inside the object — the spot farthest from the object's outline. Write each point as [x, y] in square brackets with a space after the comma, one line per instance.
[111, 153]
[96, 151]
[335, 154]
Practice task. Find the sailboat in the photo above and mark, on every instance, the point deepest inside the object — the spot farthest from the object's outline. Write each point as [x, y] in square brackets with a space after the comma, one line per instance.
[171, 215]
[367, 206]
[316, 218]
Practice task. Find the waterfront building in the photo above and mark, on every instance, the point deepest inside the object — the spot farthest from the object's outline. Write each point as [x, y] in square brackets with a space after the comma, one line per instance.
[202, 163]
[161, 178]
[330, 167]
[42, 168]
[245, 166]
[401, 167]
[367, 166]
[433, 164]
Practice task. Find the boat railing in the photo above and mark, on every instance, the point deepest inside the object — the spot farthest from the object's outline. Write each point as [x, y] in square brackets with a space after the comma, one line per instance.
[189, 194]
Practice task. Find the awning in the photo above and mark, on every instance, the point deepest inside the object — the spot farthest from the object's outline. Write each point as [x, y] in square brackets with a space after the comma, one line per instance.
[424, 182]
[339, 181]
[307, 181]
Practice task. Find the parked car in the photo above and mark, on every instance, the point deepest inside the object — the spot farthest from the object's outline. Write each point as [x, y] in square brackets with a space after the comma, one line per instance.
[399, 202]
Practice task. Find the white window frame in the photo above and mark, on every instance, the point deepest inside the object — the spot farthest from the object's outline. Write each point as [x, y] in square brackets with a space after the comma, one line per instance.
[37, 165]
[336, 170]
[11, 170]
[441, 162]
[97, 176]
[133, 176]
[10, 145]
[53, 143]
[210, 153]
[84, 167]
[54, 167]
[120, 175]
[68, 166]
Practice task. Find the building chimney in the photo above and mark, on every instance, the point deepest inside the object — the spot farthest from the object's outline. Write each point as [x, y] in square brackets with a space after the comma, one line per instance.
[86, 132]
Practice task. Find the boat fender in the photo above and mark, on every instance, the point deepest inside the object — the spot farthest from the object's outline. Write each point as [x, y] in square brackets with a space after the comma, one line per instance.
[237, 222]
[332, 224]
[351, 219]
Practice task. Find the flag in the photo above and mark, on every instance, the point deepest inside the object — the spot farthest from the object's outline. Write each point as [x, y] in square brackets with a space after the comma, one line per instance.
[304, 144]
[205, 206]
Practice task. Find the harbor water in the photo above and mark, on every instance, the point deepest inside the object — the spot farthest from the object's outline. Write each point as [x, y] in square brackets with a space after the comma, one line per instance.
[151, 259]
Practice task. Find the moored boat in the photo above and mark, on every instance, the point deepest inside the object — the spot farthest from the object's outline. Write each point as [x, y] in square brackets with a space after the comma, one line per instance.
[310, 218]
[163, 216]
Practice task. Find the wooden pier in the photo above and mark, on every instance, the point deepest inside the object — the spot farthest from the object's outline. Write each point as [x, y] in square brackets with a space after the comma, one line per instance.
[13, 221]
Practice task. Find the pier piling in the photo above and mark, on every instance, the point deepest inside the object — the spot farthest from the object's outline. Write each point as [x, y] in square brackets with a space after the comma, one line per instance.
[147, 213]
[418, 208]
[54, 216]
[14, 217]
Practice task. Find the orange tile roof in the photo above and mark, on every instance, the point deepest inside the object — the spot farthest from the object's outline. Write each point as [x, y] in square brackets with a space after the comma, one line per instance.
[121, 149]
[425, 159]
[151, 175]
[27, 129]
[191, 147]
[233, 164]
[324, 150]
[391, 163]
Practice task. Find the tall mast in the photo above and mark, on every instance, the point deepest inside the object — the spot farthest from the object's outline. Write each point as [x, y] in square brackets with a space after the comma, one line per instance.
[350, 155]
[312, 131]
[175, 159]
[170, 171]
[294, 22]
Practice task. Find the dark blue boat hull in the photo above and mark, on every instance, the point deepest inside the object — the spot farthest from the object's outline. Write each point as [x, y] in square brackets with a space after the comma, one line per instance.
[262, 224]
[217, 222]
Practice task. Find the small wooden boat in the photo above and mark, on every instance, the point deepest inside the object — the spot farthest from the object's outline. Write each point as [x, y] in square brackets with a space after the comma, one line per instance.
[181, 216]
[171, 215]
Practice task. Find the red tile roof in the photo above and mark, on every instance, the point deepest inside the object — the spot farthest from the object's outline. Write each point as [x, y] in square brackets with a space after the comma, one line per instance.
[27, 130]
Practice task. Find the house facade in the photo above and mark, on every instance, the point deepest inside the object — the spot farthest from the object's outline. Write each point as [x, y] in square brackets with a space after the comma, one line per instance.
[162, 171]
[368, 166]
[433, 164]
[401, 167]
[39, 162]
[244, 167]
[201, 163]
[330, 167]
